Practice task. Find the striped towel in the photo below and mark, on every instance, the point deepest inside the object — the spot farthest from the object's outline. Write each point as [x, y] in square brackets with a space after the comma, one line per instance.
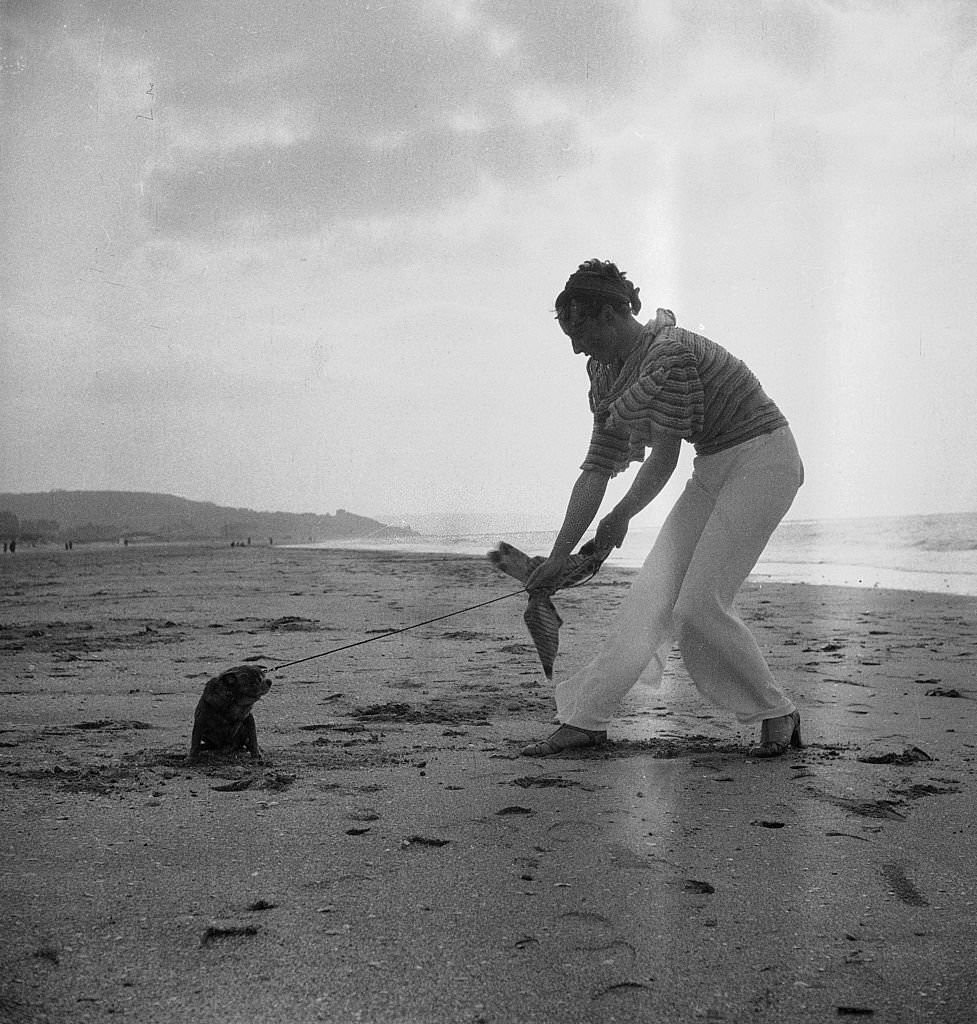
[541, 617]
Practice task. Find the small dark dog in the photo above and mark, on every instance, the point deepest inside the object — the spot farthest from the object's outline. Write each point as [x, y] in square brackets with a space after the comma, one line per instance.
[223, 721]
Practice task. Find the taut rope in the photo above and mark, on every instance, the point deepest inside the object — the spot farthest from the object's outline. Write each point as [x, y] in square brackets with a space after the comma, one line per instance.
[394, 632]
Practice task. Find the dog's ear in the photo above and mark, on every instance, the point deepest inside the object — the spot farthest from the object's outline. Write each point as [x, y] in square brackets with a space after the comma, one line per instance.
[218, 688]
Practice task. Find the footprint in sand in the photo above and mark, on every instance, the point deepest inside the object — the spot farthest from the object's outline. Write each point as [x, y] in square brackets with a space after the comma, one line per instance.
[586, 917]
[565, 831]
[586, 943]
[626, 996]
[588, 939]
[902, 887]
[615, 953]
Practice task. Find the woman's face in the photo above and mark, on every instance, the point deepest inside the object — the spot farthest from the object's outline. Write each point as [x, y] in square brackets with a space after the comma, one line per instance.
[593, 336]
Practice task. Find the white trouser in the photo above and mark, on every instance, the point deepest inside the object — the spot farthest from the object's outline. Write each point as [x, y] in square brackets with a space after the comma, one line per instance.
[707, 547]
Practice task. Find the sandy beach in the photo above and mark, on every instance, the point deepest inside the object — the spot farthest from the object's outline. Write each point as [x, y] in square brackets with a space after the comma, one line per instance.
[394, 859]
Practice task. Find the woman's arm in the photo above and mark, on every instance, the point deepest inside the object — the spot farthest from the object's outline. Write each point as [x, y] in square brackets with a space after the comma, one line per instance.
[585, 498]
[654, 473]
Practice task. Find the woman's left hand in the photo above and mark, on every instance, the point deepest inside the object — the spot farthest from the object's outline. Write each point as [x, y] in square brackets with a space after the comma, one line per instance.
[612, 530]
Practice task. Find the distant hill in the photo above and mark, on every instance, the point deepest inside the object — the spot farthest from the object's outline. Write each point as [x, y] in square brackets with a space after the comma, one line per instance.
[114, 515]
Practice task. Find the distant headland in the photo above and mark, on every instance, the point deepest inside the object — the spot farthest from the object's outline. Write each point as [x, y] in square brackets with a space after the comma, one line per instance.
[140, 516]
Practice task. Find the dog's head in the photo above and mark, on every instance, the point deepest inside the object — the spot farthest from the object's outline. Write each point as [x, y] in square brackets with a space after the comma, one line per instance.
[240, 687]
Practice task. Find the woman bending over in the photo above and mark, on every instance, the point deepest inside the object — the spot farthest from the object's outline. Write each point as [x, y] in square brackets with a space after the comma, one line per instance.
[653, 386]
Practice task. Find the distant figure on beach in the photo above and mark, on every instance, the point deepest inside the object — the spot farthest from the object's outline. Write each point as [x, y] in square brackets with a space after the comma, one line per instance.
[653, 386]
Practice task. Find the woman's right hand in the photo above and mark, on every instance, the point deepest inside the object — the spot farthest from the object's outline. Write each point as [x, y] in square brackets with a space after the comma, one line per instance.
[612, 530]
[547, 575]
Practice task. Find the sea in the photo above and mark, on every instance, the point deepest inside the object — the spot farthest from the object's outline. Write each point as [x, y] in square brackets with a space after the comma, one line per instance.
[931, 553]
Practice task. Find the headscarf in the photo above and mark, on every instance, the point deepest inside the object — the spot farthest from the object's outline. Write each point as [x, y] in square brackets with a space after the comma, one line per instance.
[592, 279]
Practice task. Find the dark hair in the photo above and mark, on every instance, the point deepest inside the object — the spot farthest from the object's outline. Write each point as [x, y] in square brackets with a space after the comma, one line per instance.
[596, 283]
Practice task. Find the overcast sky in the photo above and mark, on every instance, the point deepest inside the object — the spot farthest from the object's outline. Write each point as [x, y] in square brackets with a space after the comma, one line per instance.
[302, 255]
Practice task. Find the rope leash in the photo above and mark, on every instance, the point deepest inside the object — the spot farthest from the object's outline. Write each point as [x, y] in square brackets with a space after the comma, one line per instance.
[394, 632]
[417, 625]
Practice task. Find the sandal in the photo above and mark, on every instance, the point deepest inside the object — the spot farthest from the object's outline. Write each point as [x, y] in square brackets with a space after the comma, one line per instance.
[774, 746]
[567, 737]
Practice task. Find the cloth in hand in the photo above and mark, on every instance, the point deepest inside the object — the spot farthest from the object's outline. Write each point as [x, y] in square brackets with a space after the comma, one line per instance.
[541, 617]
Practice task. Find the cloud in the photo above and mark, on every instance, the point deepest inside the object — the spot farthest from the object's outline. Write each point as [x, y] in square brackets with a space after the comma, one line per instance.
[225, 131]
[317, 116]
[335, 231]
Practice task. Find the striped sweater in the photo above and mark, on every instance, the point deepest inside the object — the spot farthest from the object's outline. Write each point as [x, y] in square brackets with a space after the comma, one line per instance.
[674, 384]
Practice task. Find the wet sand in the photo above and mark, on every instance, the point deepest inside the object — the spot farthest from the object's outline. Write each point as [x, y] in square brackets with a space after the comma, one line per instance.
[393, 858]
